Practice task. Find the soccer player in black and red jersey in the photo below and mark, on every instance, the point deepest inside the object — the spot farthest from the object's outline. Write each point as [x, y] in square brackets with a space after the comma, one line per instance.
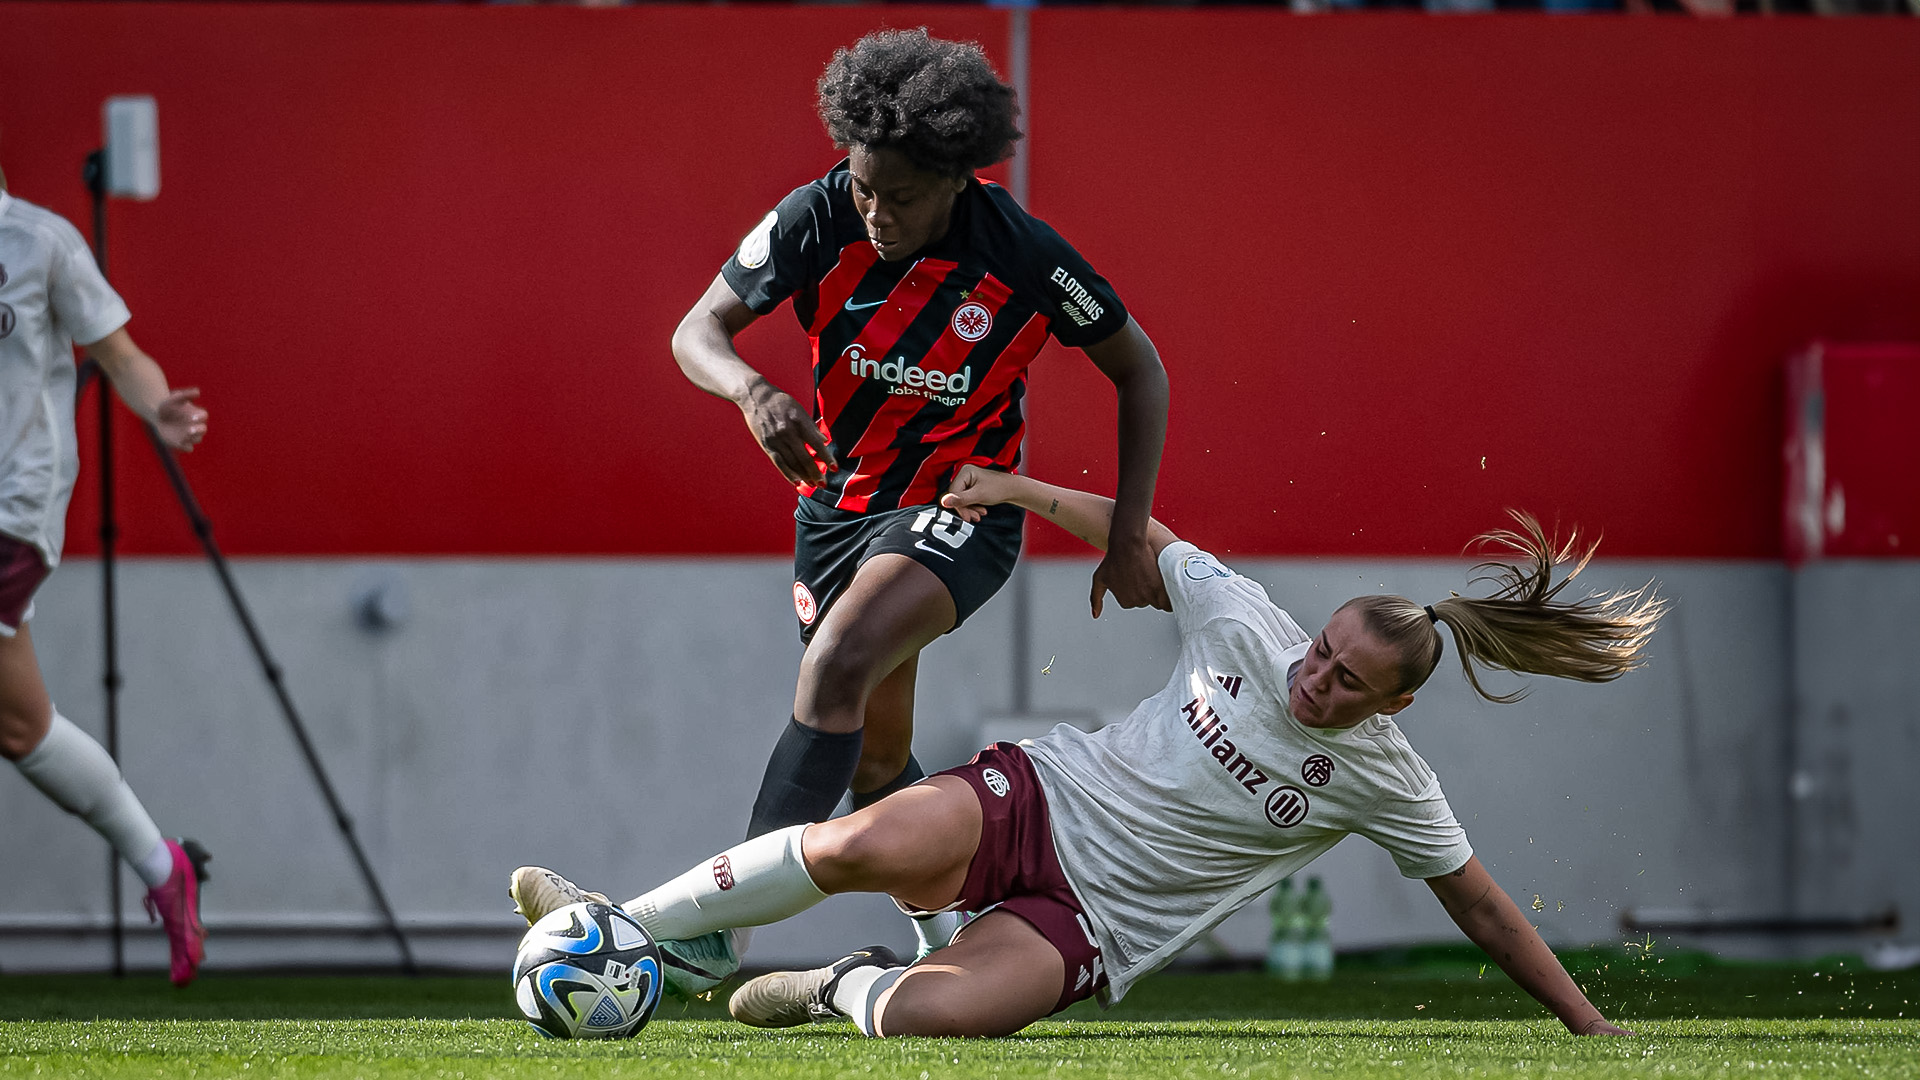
[926, 293]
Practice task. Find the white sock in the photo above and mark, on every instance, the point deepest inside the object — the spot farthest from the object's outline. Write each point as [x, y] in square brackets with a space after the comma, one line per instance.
[156, 866]
[76, 773]
[858, 995]
[936, 931]
[761, 881]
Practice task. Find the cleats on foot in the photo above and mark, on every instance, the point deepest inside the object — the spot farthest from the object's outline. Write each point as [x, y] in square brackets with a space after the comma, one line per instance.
[697, 965]
[538, 892]
[692, 967]
[791, 998]
[175, 904]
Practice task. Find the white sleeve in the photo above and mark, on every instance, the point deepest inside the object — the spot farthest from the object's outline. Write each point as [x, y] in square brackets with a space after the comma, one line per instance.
[84, 306]
[1420, 832]
[1203, 590]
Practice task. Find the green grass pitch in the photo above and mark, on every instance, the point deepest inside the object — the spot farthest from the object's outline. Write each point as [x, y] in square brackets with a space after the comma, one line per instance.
[1435, 1014]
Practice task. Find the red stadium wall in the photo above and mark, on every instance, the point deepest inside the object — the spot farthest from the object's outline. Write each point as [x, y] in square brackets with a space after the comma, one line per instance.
[1404, 271]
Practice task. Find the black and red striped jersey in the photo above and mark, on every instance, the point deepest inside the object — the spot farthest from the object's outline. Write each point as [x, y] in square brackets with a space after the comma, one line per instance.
[920, 365]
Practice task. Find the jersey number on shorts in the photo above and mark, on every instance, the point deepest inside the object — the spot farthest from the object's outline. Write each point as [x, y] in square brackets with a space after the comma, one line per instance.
[943, 525]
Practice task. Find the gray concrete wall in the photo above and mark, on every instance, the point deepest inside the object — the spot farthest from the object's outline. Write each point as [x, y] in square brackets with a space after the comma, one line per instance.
[611, 718]
[1855, 742]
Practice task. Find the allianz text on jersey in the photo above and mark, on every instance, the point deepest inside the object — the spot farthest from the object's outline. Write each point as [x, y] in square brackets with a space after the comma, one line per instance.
[911, 380]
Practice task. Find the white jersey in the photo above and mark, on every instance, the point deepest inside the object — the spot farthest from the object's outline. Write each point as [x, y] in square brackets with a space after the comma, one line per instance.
[1210, 792]
[51, 295]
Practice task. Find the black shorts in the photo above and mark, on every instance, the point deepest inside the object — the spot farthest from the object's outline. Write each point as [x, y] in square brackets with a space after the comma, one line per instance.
[972, 560]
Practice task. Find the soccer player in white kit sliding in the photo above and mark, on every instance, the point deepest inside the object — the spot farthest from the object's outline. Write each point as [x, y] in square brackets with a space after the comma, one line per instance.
[51, 296]
[1096, 858]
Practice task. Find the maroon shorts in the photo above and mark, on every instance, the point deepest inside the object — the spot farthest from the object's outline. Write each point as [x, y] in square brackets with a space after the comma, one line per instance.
[21, 572]
[1016, 869]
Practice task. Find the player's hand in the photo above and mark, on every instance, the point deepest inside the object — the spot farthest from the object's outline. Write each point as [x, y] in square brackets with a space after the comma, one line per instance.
[1601, 1027]
[179, 421]
[974, 489]
[789, 436]
[1132, 574]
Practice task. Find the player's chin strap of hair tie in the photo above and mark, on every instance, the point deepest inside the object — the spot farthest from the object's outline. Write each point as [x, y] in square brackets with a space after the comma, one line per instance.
[1431, 616]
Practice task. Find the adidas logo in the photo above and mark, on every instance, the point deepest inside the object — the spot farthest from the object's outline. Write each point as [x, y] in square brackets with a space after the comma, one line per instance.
[1232, 684]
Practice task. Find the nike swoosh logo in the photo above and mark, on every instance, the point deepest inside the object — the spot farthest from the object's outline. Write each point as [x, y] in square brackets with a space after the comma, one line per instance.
[851, 306]
[691, 969]
[922, 545]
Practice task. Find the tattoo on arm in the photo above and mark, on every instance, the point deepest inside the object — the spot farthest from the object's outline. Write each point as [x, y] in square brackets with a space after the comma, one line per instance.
[1476, 901]
[1054, 509]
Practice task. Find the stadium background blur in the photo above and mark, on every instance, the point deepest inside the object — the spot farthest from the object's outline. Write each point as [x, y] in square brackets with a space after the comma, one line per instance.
[1404, 271]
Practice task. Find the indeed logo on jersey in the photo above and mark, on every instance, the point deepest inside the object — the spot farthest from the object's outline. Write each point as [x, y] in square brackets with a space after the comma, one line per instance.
[1080, 305]
[947, 388]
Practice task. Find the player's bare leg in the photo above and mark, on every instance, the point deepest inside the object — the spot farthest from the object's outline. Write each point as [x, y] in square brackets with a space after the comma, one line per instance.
[997, 977]
[887, 742]
[915, 845]
[76, 772]
[887, 765]
[26, 711]
[894, 608]
[890, 611]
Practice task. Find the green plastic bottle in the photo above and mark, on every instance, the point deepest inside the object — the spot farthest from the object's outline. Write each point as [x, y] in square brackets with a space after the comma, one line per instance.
[1283, 949]
[1316, 945]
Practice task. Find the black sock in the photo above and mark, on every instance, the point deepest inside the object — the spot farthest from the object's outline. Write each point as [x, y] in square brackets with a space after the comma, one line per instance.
[806, 776]
[908, 776]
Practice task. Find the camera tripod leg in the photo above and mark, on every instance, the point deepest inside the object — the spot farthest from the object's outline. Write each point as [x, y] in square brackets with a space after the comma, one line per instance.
[203, 529]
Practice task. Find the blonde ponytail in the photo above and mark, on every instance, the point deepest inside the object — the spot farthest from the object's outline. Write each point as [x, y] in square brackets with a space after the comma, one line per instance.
[1522, 627]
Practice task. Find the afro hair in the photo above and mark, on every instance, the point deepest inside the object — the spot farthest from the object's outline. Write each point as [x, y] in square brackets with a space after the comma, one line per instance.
[937, 102]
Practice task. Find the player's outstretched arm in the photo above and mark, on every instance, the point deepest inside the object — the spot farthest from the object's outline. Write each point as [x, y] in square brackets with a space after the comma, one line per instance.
[703, 347]
[1082, 513]
[1130, 569]
[143, 386]
[1491, 920]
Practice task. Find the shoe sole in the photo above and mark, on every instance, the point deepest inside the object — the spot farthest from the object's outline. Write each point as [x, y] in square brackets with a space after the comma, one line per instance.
[518, 887]
[519, 902]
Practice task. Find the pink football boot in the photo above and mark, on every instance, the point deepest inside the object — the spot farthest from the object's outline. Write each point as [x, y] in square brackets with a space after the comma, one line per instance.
[177, 905]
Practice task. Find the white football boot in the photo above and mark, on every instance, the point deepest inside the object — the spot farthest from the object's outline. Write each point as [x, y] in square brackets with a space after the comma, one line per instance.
[791, 998]
[692, 967]
[538, 892]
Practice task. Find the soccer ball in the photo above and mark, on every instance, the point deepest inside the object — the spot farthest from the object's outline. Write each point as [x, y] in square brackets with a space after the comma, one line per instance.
[587, 971]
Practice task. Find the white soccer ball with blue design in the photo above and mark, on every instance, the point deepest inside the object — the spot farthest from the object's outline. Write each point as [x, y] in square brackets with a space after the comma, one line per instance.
[587, 971]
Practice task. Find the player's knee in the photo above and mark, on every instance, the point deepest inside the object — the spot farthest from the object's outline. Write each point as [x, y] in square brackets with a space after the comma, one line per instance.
[837, 673]
[851, 854]
[20, 733]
